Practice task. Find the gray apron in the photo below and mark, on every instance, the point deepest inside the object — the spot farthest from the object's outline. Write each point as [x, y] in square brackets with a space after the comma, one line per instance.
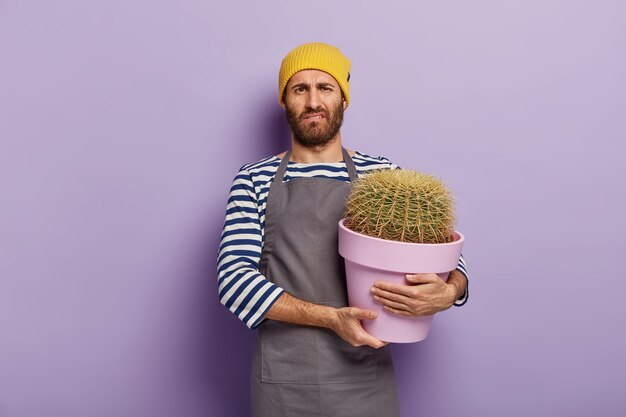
[304, 370]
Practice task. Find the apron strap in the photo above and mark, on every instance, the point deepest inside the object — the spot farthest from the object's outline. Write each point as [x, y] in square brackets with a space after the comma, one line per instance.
[349, 164]
[280, 173]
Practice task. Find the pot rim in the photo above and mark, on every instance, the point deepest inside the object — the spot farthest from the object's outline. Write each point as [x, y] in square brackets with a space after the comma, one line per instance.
[460, 239]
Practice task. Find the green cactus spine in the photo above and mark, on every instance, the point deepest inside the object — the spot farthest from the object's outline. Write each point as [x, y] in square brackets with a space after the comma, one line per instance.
[401, 205]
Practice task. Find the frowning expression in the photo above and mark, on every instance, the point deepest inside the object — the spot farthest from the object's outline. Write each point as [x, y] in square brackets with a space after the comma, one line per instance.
[314, 106]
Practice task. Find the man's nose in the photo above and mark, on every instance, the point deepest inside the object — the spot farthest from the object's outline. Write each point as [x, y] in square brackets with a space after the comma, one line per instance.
[313, 99]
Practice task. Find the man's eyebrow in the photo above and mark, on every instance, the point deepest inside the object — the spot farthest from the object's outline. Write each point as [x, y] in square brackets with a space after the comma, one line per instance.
[305, 85]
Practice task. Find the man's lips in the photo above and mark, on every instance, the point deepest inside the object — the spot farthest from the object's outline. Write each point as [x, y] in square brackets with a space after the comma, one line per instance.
[313, 116]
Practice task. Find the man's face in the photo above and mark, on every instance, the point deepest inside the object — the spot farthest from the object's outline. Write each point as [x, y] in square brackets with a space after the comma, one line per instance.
[314, 106]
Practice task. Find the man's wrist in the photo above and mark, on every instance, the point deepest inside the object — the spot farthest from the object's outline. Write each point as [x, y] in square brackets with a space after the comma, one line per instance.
[327, 316]
[456, 284]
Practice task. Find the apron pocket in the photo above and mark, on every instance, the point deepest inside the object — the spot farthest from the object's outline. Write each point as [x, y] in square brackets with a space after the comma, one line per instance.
[297, 354]
[342, 362]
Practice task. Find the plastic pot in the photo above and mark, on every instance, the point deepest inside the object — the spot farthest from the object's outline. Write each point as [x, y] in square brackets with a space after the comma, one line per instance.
[369, 259]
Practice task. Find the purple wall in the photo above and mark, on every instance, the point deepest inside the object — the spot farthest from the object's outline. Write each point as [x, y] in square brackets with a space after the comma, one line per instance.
[123, 123]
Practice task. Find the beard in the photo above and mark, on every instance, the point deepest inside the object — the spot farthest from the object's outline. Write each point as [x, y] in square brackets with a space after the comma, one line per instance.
[316, 133]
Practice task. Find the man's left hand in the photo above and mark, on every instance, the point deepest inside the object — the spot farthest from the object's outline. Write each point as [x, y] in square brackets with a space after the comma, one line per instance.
[426, 294]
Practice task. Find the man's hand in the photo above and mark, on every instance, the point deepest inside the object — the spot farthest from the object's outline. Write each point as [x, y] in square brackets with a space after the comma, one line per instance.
[346, 321]
[347, 324]
[426, 294]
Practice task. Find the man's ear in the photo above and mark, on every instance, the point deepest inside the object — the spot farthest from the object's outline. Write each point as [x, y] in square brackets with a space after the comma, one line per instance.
[345, 104]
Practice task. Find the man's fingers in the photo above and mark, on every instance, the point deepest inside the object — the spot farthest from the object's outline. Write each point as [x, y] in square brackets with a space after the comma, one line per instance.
[399, 298]
[395, 288]
[351, 329]
[393, 304]
[372, 341]
[365, 314]
[398, 312]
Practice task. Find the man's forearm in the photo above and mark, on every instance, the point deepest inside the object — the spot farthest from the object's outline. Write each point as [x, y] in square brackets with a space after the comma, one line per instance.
[459, 283]
[345, 321]
[294, 310]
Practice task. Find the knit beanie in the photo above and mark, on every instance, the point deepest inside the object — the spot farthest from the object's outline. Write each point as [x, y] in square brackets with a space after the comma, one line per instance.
[317, 56]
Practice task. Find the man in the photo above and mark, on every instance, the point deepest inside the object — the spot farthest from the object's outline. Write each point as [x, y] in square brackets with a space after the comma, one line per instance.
[279, 269]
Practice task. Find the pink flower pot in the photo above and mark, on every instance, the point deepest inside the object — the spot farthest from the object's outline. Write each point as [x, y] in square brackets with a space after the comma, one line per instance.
[369, 259]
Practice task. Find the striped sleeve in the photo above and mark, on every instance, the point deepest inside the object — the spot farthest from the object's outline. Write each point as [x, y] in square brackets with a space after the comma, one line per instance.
[242, 288]
[462, 267]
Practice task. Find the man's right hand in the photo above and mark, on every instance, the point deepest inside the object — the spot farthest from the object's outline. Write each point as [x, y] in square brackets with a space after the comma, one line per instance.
[347, 324]
[345, 321]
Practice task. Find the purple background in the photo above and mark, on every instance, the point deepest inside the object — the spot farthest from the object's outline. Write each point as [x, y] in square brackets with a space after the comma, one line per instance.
[124, 123]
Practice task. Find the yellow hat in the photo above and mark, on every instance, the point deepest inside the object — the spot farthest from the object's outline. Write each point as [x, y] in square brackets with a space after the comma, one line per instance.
[317, 56]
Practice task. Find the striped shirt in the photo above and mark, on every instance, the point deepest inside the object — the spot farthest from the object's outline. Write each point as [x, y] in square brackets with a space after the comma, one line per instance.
[242, 288]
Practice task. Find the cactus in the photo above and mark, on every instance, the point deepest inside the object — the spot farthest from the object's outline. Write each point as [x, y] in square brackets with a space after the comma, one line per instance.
[401, 205]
